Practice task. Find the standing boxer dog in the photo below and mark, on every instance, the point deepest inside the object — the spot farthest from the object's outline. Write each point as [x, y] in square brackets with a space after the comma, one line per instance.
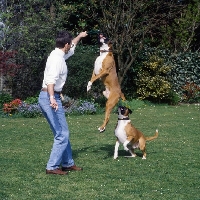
[128, 135]
[105, 70]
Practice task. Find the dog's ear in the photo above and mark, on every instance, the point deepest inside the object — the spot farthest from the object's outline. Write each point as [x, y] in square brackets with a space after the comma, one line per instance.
[100, 44]
[130, 111]
[106, 40]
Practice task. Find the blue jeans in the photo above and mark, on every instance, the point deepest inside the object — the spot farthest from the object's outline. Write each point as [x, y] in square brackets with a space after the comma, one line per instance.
[61, 153]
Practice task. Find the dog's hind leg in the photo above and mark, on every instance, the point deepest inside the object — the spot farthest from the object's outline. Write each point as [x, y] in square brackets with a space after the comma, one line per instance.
[132, 153]
[143, 147]
[116, 149]
[144, 153]
[131, 150]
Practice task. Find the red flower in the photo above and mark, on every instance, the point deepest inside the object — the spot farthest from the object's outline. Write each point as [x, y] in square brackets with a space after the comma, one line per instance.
[12, 106]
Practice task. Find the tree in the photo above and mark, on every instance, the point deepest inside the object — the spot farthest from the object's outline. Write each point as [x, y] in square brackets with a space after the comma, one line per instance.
[32, 28]
[180, 35]
[2, 26]
[8, 67]
[131, 24]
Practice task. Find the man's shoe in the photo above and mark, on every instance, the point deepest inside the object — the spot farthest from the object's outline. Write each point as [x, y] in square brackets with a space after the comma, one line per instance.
[56, 171]
[72, 168]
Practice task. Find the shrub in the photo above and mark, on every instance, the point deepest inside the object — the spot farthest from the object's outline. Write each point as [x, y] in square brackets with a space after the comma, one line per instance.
[4, 98]
[173, 98]
[185, 75]
[152, 81]
[72, 106]
[29, 110]
[185, 68]
[86, 107]
[133, 104]
[8, 64]
[80, 67]
[11, 108]
[32, 100]
[191, 93]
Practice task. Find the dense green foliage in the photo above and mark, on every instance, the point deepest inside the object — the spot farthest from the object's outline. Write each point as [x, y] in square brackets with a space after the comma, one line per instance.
[152, 83]
[184, 70]
[186, 67]
[4, 98]
[31, 33]
[31, 27]
[182, 33]
[80, 68]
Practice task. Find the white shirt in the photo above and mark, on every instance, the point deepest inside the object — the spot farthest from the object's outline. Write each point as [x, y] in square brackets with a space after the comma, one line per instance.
[56, 69]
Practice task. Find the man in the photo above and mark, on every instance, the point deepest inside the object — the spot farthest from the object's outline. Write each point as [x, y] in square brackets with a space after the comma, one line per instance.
[55, 75]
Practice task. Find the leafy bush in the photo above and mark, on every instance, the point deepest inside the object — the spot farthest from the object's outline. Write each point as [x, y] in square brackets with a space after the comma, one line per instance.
[11, 108]
[72, 106]
[4, 98]
[152, 81]
[80, 68]
[86, 107]
[32, 100]
[133, 104]
[191, 93]
[29, 110]
[185, 68]
[173, 98]
[185, 74]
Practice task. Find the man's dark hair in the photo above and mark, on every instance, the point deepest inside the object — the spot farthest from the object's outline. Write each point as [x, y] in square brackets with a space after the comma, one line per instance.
[63, 37]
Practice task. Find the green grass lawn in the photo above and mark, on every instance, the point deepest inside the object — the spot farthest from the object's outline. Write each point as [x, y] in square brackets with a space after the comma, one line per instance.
[170, 172]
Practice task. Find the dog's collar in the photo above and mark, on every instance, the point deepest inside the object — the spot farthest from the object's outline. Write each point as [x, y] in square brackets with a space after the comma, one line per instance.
[102, 51]
[127, 118]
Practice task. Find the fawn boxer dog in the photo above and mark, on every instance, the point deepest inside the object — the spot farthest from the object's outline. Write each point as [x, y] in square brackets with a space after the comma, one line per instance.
[105, 70]
[128, 135]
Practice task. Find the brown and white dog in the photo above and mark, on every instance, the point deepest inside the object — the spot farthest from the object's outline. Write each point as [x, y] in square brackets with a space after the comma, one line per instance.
[105, 70]
[128, 135]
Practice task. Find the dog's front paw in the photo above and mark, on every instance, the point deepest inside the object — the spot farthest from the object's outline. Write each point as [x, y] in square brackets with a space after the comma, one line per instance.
[89, 85]
[115, 157]
[101, 129]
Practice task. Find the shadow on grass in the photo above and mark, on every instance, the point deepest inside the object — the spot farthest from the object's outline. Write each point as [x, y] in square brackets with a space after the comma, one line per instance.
[122, 153]
[76, 152]
[109, 150]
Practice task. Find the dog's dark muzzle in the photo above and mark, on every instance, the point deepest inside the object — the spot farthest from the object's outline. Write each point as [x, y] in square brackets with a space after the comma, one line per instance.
[123, 110]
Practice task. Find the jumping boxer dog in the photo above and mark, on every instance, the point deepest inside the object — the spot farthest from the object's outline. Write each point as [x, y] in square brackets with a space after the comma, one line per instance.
[128, 135]
[105, 70]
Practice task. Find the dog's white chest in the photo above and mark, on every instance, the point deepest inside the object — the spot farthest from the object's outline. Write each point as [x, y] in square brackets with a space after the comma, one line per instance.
[98, 63]
[120, 132]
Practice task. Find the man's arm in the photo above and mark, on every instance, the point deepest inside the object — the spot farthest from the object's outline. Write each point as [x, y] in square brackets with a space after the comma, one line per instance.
[50, 89]
[77, 39]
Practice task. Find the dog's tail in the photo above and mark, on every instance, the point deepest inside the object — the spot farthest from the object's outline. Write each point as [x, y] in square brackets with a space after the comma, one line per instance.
[153, 137]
